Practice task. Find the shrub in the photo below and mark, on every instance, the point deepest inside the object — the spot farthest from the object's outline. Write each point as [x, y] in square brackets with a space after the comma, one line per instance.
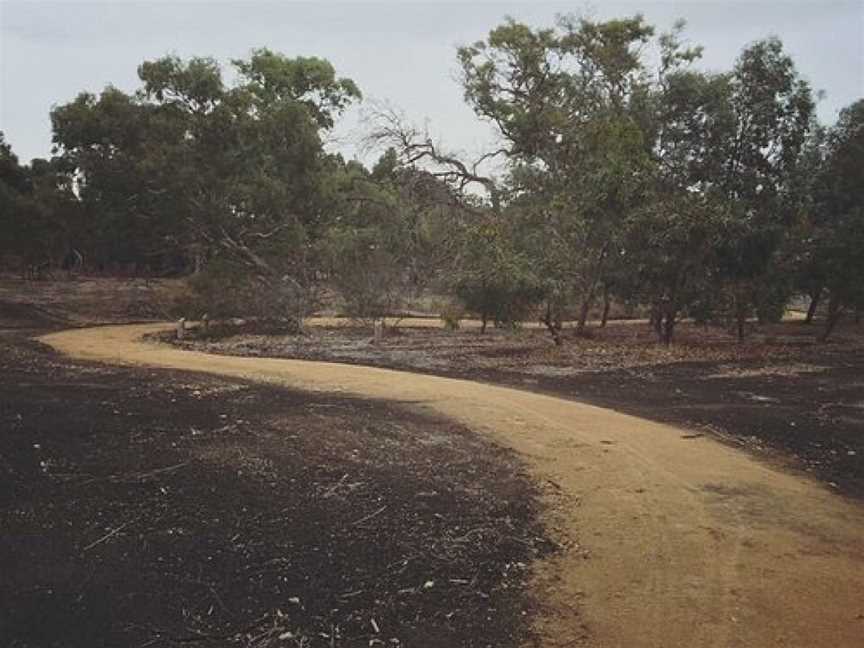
[222, 291]
[452, 315]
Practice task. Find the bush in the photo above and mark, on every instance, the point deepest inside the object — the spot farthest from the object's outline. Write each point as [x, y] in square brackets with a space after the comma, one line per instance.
[505, 299]
[498, 283]
[223, 291]
[366, 274]
[452, 316]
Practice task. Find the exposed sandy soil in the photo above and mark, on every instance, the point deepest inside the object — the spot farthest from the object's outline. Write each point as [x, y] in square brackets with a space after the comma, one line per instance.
[780, 394]
[686, 542]
[143, 507]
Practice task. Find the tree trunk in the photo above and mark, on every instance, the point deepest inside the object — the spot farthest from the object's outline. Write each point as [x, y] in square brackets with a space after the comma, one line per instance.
[656, 319]
[583, 314]
[835, 310]
[607, 303]
[666, 318]
[668, 329]
[740, 317]
[815, 296]
[589, 296]
[553, 325]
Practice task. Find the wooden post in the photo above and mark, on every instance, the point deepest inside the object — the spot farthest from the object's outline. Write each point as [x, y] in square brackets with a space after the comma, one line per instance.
[181, 328]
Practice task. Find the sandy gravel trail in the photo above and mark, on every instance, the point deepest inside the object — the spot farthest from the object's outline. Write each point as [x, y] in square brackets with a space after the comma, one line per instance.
[681, 541]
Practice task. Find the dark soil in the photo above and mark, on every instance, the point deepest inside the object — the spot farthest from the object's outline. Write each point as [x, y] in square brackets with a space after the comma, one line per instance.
[156, 508]
[87, 300]
[780, 394]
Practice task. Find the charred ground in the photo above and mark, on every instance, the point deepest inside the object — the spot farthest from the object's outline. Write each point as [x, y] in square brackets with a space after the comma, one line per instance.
[157, 508]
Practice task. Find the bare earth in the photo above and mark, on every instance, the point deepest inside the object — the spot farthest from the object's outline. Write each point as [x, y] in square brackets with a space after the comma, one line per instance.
[690, 542]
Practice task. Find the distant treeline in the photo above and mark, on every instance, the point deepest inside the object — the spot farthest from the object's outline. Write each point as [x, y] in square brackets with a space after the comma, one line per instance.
[716, 196]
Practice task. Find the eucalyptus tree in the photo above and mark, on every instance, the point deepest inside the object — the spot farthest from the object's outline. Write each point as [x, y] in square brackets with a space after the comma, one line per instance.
[38, 211]
[232, 175]
[14, 185]
[113, 147]
[839, 197]
[667, 255]
[566, 102]
[760, 139]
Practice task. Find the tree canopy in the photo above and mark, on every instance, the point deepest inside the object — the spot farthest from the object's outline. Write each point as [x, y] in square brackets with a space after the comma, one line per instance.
[622, 170]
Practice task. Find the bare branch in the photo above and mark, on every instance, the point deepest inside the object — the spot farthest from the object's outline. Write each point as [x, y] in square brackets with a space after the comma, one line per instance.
[417, 149]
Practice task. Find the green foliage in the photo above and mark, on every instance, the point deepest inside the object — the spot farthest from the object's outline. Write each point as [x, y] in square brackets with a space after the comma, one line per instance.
[838, 216]
[713, 195]
[365, 272]
[221, 292]
[568, 103]
[496, 282]
[37, 212]
[274, 78]
[190, 167]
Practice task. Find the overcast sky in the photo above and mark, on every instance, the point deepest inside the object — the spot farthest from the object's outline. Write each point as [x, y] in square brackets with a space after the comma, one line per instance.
[401, 52]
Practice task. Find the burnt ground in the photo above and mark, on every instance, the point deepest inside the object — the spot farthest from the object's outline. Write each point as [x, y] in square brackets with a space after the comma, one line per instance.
[87, 300]
[156, 508]
[780, 394]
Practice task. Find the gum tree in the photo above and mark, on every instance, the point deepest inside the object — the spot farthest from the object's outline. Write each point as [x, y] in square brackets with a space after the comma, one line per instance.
[564, 102]
[231, 175]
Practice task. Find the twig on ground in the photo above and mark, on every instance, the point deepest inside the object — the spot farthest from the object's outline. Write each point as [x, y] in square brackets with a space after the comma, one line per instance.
[110, 534]
[333, 488]
[370, 516]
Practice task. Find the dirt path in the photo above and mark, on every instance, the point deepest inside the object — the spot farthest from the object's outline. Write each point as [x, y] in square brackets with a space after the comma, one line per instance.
[681, 541]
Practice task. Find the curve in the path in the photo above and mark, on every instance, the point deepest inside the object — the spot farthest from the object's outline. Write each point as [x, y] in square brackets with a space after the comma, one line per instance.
[681, 541]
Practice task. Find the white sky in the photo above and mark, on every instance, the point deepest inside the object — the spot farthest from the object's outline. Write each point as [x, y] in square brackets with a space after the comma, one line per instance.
[401, 52]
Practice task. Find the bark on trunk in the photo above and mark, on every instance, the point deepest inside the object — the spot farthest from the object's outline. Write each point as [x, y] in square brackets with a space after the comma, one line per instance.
[656, 320]
[668, 329]
[553, 325]
[583, 314]
[589, 296]
[835, 310]
[740, 317]
[815, 296]
[607, 303]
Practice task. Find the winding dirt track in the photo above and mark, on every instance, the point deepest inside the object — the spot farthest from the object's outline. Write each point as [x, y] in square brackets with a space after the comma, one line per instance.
[681, 541]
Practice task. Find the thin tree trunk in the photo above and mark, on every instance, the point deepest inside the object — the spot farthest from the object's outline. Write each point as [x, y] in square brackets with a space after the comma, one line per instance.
[583, 313]
[606, 305]
[656, 319]
[589, 297]
[740, 317]
[553, 325]
[815, 296]
[669, 328]
[835, 310]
